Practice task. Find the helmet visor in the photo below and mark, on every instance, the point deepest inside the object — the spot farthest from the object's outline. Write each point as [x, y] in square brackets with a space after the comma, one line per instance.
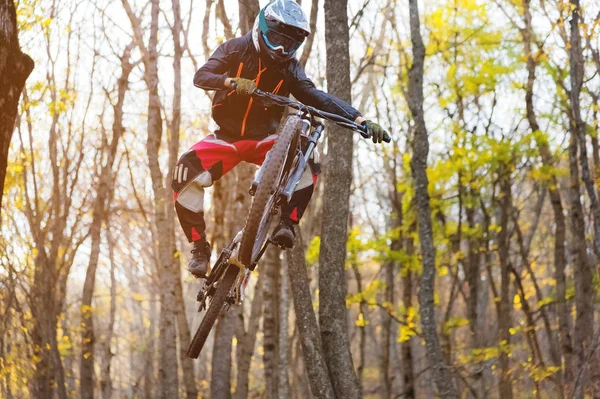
[278, 41]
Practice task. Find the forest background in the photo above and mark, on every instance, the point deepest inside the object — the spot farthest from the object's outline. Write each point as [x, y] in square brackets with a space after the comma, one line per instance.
[468, 266]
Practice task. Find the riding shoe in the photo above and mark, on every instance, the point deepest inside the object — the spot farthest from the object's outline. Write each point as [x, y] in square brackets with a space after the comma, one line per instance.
[284, 235]
[198, 265]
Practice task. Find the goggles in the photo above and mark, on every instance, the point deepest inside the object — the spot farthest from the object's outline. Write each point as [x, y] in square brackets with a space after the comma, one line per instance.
[278, 41]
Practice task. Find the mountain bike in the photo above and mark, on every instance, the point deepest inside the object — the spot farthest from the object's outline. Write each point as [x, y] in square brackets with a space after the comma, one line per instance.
[272, 189]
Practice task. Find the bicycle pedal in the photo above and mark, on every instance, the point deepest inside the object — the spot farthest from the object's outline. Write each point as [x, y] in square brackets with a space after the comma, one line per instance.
[276, 244]
[229, 301]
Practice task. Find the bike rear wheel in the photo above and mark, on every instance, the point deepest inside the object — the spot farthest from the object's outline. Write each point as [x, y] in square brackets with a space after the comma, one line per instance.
[260, 216]
[213, 311]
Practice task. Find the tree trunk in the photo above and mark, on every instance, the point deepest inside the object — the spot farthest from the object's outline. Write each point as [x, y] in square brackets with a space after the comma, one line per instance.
[149, 368]
[418, 164]
[105, 379]
[562, 307]
[584, 291]
[182, 323]
[408, 368]
[314, 13]
[168, 365]
[183, 328]
[221, 361]
[362, 330]
[505, 306]
[578, 125]
[306, 323]
[246, 341]
[105, 185]
[271, 267]
[49, 371]
[15, 68]
[388, 337]
[248, 11]
[227, 223]
[386, 332]
[333, 315]
[473, 306]
[284, 337]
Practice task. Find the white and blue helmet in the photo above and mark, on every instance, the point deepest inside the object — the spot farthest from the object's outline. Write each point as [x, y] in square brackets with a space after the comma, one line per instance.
[280, 29]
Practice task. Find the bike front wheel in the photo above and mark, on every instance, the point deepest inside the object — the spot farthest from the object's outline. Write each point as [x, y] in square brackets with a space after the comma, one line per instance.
[260, 215]
[216, 304]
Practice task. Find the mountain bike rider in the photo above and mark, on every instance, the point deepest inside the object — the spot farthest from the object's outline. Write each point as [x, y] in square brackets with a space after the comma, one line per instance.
[263, 58]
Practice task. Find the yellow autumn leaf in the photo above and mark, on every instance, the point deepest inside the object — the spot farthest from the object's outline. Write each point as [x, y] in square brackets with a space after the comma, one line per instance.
[136, 296]
[361, 322]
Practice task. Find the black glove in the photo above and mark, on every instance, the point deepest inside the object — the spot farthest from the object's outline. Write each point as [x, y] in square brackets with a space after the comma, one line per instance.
[377, 132]
[243, 87]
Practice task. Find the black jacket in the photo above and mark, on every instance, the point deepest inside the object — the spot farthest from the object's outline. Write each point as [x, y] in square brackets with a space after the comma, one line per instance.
[237, 117]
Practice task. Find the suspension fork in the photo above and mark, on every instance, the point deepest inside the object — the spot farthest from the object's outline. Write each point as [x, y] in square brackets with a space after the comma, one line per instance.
[303, 161]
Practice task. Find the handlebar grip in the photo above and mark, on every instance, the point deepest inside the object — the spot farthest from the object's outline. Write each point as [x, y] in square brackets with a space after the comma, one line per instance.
[363, 132]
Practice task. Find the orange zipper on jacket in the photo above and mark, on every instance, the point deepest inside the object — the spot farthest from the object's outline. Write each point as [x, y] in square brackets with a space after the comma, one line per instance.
[276, 89]
[239, 73]
[257, 81]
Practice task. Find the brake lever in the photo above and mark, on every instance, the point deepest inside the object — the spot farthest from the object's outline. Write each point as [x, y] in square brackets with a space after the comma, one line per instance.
[364, 134]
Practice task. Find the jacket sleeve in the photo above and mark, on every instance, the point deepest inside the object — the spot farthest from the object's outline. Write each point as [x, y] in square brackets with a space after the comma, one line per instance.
[212, 75]
[305, 91]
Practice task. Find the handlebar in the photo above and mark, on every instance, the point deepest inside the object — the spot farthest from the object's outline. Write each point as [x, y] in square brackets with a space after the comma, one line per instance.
[270, 99]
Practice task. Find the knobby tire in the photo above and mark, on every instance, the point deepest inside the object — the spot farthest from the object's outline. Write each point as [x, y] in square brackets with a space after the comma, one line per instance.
[272, 171]
[216, 304]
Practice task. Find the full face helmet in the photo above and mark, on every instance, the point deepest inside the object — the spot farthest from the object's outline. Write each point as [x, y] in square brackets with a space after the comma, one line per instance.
[280, 29]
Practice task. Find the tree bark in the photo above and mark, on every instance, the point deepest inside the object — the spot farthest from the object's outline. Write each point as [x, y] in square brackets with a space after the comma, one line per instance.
[220, 380]
[272, 266]
[314, 13]
[407, 357]
[333, 314]
[284, 338]
[306, 323]
[105, 185]
[183, 329]
[362, 330]
[562, 307]
[386, 332]
[584, 291]
[441, 374]
[246, 341]
[578, 125]
[149, 367]
[168, 365]
[222, 15]
[105, 378]
[54, 256]
[15, 68]
[221, 361]
[248, 11]
[505, 306]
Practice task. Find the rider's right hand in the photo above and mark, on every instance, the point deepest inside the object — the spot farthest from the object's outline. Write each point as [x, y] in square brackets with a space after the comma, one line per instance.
[377, 133]
[243, 87]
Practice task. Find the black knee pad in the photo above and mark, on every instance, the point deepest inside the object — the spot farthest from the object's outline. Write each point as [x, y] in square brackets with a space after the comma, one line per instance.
[187, 168]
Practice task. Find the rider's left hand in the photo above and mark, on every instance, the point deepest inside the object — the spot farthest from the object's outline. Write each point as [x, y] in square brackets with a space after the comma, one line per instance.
[244, 87]
[375, 130]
